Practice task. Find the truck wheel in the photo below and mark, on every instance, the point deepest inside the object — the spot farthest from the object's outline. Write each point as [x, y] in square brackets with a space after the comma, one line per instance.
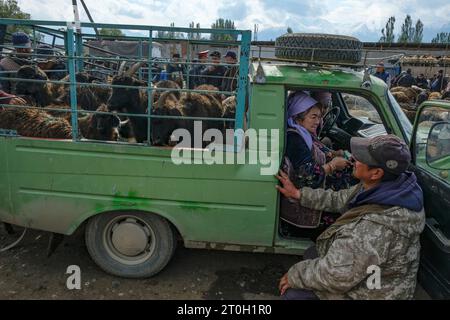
[130, 244]
[327, 48]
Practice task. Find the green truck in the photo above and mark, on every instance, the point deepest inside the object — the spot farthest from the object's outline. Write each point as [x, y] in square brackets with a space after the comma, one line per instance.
[135, 203]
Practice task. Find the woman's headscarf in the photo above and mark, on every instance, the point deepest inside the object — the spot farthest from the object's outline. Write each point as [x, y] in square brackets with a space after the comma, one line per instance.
[297, 103]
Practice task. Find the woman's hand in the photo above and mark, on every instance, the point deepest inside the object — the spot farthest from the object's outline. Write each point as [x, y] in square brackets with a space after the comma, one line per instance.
[287, 189]
[339, 163]
[337, 153]
[284, 284]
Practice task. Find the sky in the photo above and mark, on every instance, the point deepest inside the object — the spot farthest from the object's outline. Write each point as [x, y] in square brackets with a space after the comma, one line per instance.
[363, 19]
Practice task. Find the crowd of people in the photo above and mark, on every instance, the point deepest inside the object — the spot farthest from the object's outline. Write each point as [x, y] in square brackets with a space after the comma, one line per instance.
[207, 69]
[438, 83]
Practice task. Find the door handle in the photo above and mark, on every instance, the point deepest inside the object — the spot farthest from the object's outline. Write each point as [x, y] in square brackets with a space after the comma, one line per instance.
[437, 236]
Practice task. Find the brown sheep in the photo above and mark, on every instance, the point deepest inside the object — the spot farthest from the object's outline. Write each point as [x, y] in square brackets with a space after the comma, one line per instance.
[43, 94]
[204, 106]
[229, 111]
[396, 89]
[6, 98]
[401, 97]
[88, 97]
[99, 126]
[40, 93]
[167, 84]
[434, 96]
[409, 110]
[125, 100]
[162, 129]
[208, 87]
[411, 94]
[35, 123]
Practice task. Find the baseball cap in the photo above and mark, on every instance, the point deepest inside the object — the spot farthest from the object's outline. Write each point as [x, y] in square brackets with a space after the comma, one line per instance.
[21, 40]
[215, 54]
[388, 152]
[380, 64]
[231, 54]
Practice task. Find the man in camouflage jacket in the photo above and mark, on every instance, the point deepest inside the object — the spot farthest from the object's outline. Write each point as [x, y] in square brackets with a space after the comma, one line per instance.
[379, 230]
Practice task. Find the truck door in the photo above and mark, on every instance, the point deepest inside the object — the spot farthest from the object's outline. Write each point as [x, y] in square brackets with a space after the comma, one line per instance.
[430, 146]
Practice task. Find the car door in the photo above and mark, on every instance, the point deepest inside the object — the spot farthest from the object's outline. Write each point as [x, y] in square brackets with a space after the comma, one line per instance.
[431, 162]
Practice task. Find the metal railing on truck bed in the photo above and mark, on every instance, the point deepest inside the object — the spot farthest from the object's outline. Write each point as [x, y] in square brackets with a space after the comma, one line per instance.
[104, 65]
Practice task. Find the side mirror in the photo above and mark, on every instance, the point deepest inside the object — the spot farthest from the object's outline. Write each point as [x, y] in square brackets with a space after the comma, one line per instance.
[438, 146]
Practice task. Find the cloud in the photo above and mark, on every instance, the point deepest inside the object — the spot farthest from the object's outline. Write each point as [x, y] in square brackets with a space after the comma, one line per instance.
[352, 17]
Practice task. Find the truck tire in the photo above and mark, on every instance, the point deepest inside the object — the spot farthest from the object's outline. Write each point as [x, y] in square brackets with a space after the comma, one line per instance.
[327, 48]
[130, 244]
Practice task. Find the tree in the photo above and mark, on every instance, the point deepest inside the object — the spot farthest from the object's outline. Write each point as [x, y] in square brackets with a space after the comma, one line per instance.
[407, 32]
[223, 24]
[388, 32]
[170, 34]
[111, 32]
[10, 9]
[195, 35]
[443, 37]
[418, 32]
[289, 30]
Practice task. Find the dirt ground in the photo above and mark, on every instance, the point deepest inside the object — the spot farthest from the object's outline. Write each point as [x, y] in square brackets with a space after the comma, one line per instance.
[27, 273]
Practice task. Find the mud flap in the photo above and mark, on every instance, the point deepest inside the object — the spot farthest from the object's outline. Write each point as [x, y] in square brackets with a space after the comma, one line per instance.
[54, 241]
[9, 229]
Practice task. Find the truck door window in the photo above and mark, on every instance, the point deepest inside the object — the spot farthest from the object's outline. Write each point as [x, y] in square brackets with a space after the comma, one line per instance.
[426, 142]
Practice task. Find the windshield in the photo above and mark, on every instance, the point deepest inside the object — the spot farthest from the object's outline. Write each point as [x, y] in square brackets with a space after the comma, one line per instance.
[405, 124]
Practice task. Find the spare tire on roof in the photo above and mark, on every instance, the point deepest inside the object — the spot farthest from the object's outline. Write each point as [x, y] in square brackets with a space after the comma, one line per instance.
[327, 48]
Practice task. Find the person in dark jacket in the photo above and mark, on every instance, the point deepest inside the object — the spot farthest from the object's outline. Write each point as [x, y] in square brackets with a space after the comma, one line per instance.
[213, 74]
[19, 57]
[175, 70]
[229, 82]
[382, 74]
[406, 79]
[195, 78]
[380, 226]
[422, 81]
[439, 83]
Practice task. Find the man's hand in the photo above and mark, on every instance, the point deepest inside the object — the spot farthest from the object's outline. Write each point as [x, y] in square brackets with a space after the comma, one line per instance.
[340, 163]
[284, 284]
[287, 189]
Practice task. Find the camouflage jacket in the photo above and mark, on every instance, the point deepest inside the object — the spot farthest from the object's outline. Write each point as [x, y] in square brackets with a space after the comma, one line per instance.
[387, 238]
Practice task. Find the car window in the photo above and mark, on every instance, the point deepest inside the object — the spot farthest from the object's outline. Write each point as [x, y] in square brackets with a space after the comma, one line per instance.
[405, 124]
[433, 147]
[361, 108]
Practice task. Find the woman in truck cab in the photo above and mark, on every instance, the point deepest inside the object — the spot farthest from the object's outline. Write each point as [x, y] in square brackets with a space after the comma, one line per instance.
[306, 153]
[310, 160]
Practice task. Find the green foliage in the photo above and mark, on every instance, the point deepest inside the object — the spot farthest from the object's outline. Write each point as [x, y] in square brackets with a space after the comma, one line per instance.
[443, 37]
[388, 32]
[111, 32]
[195, 35]
[407, 33]
[289, 30]
[170, 34]
[418, 32]
[10, 9]
[223, 24]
